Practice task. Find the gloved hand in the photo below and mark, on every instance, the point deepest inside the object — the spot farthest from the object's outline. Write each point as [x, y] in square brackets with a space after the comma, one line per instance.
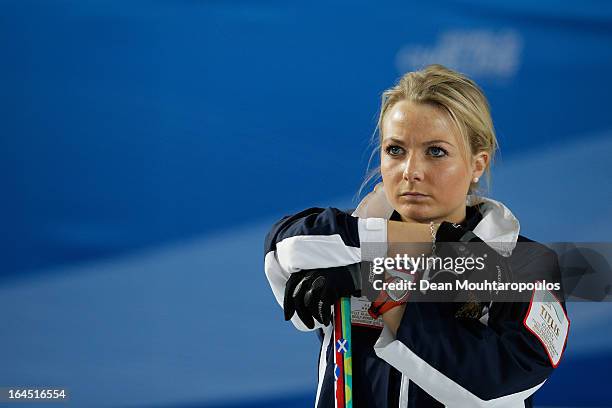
[455, 241]
[311, 293]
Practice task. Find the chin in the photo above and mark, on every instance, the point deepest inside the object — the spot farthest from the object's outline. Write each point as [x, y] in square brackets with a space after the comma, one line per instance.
[416, 213]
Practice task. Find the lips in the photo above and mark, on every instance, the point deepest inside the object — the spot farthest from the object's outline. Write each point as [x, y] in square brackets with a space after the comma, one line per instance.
[414, 197]
[413, 194]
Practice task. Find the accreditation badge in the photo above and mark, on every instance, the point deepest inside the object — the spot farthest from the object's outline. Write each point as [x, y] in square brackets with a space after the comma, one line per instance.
[360, 315]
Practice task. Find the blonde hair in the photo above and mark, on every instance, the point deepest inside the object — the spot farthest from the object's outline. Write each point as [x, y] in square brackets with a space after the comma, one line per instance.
[456, 94]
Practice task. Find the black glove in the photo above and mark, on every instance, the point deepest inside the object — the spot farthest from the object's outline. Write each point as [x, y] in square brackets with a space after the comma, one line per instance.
[455, 241]
[312, 292]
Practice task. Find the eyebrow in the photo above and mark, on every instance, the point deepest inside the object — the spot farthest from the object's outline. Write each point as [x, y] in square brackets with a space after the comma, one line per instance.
[401, 142]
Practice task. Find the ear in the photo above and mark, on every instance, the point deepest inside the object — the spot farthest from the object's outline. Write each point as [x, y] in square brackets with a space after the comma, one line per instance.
[480, 161]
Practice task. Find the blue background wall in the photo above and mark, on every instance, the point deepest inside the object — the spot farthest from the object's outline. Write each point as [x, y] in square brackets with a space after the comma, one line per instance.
[146, 147]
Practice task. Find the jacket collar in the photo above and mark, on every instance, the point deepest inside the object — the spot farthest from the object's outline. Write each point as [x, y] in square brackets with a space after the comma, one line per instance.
[498, 227]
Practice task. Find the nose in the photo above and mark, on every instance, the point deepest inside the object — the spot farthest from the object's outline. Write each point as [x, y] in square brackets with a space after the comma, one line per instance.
[413, 170]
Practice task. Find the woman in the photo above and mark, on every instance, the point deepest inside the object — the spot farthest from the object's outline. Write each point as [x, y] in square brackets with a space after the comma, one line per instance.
[436, 141]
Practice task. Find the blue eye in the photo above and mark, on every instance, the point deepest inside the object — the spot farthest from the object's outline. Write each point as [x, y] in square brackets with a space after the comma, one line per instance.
[437, 151]
[394, 150]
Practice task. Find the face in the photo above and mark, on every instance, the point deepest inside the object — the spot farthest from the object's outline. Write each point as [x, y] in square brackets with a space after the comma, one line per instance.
[425, 174]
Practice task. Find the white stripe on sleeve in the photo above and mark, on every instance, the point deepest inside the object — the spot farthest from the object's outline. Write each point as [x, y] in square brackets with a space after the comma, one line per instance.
[315, 251]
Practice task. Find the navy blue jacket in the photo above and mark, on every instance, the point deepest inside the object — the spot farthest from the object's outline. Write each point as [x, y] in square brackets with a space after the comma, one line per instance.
[435, 359]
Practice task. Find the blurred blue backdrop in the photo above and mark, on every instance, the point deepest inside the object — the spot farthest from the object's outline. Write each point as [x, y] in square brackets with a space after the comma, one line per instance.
[146, 147]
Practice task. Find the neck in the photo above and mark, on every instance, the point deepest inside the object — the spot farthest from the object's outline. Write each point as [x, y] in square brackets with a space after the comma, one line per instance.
[457, 217]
